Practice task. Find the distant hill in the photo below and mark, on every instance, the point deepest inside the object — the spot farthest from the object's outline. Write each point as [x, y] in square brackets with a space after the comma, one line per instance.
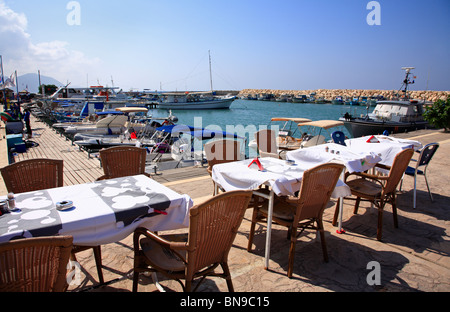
[31, 82]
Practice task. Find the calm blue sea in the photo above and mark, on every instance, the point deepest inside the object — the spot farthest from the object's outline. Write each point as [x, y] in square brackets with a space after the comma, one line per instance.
[252, 115]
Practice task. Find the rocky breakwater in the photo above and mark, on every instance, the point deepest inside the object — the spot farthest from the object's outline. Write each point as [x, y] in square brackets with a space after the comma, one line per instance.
[330, 94]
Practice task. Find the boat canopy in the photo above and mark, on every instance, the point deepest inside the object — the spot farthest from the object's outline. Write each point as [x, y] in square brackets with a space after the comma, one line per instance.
[199, 133]
[132, 109]
[109, 113]
[296, 120]
[325, 124]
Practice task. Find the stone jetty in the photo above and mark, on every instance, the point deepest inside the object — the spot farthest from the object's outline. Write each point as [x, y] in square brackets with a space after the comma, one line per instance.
[330, 94]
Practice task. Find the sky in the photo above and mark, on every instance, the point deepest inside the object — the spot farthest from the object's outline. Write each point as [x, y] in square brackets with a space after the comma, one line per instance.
[253, 44]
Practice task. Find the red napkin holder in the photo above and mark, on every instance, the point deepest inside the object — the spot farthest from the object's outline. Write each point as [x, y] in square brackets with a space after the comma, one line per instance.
[258, 163]
[373, 139]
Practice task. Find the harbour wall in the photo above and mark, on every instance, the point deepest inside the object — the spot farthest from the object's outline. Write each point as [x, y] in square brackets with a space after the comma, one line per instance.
[330, 94]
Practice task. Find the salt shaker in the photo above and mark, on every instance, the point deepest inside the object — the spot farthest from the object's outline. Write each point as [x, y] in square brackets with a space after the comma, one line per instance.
[11, 201]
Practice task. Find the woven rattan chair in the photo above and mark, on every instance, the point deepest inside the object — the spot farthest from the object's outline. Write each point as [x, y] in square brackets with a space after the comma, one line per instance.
[122, 161]
[35, 264]
[266, 141]
[304, 211]
[221, 151]
[32, 175]
[212, 229]
[37, 174]
[377, 189]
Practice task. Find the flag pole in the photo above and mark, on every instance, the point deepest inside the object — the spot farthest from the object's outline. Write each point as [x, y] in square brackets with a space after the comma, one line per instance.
[5, 105]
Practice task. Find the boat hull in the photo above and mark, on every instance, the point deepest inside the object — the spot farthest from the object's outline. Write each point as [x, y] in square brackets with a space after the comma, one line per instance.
[215, 104]
[359, 128]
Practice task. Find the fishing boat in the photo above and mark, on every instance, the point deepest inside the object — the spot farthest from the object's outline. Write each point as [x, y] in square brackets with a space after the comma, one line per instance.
[394, 116]
[338, 100]
[196, 100]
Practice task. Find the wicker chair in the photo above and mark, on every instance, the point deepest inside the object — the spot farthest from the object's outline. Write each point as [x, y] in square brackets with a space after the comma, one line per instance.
[302, 211]
[221, 151]
[122, 161]
[212, 229]
[32, 175]
[377, 189]
[37, 174]
[35, 264]
[267, 143]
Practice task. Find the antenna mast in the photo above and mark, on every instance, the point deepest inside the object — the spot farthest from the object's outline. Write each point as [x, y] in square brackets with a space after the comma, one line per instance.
[210, 72]
[406, 82]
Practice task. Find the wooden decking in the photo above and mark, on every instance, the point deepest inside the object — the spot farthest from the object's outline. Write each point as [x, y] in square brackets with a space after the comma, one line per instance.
[78, 168]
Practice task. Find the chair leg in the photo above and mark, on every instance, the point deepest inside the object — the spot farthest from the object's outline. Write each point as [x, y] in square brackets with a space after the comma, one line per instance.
[135, 280]
[98, 262]
[428, 187]
[252, 229]
[355, 210]
[394, 211]
[291, 254]
[415, 191]
[226, 271]
[380, 222]
[322, 240]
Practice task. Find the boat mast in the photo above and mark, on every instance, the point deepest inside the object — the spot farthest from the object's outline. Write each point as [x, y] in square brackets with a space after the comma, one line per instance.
[406, 82]
[210, 72]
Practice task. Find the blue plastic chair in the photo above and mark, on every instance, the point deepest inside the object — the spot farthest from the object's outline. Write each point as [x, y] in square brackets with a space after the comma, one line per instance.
[426, 154]
[338, 137]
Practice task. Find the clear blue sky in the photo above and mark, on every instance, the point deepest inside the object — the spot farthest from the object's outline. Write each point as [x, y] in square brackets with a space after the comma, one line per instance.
[289, 45]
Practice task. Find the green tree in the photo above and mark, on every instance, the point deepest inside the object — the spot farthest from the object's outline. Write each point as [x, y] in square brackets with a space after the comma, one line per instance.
[439, 114]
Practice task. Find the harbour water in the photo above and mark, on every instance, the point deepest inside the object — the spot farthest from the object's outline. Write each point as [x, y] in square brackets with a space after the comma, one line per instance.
[259, 113]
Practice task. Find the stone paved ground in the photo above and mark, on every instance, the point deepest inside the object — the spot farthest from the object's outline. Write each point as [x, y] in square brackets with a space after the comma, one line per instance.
[412, 258]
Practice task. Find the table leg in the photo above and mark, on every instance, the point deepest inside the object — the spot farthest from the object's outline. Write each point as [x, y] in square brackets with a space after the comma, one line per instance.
[269, 229]
[340, 230]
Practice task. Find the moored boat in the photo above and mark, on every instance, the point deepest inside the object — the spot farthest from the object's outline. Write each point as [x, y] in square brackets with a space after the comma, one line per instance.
[394, 116]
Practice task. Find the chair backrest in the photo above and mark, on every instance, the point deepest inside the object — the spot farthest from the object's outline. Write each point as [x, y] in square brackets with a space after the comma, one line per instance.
[398, 168]
[266, 141]
[33, 174]
[222, 151]
[212, 229]
[318, 184]
[122, 161]
[35, 264]
[338, 137]
[427, 153]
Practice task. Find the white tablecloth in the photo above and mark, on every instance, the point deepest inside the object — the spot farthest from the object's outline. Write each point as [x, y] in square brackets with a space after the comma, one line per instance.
[285, 179]
[354, 161]
[387, 148]
[104, 212]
